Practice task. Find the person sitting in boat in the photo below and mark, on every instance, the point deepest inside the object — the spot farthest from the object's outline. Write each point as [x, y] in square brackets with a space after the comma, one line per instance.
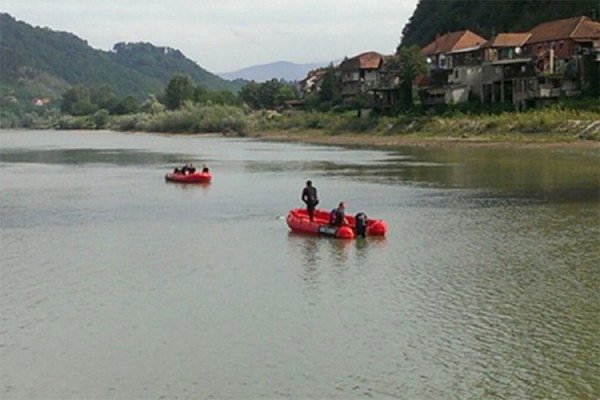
[177, 171]
[205, 169]
[192, 169]
[337, 217]
[187, 169]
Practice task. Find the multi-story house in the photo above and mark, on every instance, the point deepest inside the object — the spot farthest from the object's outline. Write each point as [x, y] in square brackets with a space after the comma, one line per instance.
[454, 62]
[508, 74]
[560, 48]
[312, 82]
[360, 74]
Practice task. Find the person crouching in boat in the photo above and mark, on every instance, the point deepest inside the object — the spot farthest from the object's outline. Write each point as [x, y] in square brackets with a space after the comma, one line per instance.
[337, 217]
[309, 197]
[205, 169]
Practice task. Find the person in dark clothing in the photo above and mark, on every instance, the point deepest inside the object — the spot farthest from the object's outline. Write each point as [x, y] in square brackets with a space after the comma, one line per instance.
[309, 197]
[361, 222]
[338, 215]
[205, 169]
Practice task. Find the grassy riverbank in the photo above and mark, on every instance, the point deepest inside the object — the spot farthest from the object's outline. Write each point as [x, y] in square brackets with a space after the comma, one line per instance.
[569, 122]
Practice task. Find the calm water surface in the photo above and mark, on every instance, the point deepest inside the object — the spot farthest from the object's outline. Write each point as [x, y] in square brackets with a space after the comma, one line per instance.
[115, 284]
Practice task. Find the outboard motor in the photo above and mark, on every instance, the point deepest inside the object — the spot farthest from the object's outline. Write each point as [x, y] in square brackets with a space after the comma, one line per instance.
[361, 224]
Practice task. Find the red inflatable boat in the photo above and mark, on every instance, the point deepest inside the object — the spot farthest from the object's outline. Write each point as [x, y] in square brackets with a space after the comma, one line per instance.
[298, 221]
[196, 177]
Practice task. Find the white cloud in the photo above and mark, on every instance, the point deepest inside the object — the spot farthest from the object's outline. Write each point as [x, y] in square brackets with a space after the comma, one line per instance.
[224, 35]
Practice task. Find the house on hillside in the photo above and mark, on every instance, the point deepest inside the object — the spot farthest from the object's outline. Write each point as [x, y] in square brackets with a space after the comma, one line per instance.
[312, 83]
[360, 74]
[40, 102]
[508, 74]
[561, 49]
[454, 61]
[437, 51]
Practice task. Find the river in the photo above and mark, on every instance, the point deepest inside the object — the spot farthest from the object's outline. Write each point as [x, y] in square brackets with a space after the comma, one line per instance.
[116, 284]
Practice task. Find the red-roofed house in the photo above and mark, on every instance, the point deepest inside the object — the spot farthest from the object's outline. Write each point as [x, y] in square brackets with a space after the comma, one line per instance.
[360, 74]
[505, 46]
[563, 50]
[312, 82]
[565, 37]
[455, 68]
[437, 51]
[507, 72]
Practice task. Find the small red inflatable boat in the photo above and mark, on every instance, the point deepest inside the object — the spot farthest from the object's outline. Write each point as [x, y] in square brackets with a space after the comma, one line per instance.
[298, 221]
[196, 177]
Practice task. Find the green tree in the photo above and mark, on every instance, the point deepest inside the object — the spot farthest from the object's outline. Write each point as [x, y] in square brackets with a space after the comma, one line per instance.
[330, 94]
[179, 90]
[405, 67]
[103, 96]
[200, 94]
[284, 94]
[250, 95]
[222, 97]
[152, 105]
[267, 92]
[77, 101]
[129, 105]
[101, 118]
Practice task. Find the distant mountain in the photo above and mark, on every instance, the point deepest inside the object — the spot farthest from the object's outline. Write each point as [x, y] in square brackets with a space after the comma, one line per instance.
[487, 18]
[40, 61]
[278, 70]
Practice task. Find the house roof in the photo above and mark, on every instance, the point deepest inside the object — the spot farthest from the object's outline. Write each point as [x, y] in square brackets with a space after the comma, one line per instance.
[452, 41]
[508, 40]
[576, 28]
[369, 60]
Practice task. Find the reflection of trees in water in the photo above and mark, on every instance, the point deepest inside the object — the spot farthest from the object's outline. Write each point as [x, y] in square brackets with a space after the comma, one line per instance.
[97, 156]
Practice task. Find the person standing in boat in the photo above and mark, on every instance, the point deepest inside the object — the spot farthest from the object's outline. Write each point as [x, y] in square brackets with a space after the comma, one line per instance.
[309, 197]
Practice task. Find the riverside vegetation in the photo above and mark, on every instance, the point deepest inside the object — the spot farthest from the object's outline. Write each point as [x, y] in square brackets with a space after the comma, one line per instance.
[571, 120]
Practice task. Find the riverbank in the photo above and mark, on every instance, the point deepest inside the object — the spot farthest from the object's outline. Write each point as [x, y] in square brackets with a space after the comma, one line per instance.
[382, 141]
[564, 124]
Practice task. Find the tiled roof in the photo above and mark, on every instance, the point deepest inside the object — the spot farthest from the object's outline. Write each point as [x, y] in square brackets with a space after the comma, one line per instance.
[369, 60]
[452, 41]
[570, 28]
[508, 40]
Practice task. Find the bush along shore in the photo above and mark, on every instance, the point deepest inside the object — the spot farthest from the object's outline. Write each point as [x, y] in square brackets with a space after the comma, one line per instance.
[563, 122]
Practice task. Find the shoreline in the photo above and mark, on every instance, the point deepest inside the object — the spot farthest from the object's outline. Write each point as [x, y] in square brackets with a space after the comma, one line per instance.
[318, 137]
[393, 141]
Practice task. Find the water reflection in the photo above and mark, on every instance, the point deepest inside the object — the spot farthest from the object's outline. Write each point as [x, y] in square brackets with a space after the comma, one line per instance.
[201, 186]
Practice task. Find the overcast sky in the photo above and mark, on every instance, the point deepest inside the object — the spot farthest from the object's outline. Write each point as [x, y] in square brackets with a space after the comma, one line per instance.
[226, 35]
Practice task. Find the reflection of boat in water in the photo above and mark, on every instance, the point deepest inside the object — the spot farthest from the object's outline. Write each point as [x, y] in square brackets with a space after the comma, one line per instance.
[196, 177]
[298, 221]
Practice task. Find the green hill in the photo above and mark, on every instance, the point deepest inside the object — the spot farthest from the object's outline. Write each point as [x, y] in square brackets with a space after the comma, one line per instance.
[38, 61]
[160, 63]
[486, 17]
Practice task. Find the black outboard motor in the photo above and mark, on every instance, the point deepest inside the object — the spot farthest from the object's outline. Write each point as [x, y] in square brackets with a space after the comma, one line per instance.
[361, 224]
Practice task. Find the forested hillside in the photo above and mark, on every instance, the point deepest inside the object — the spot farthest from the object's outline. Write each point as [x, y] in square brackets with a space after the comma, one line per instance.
[41, 61]
[161, 62]
[487, 17]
